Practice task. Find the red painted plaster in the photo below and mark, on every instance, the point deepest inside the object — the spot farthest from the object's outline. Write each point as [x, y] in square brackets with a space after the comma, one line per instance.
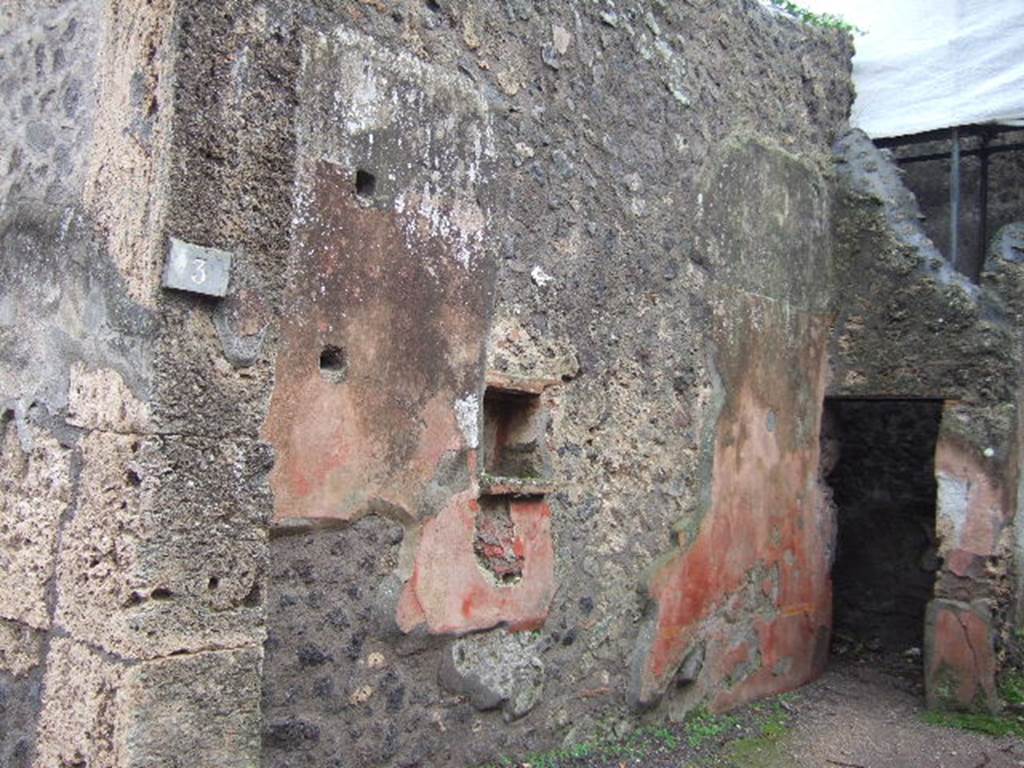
[961, 662]
[975, 506]
[451, 593]
[767, 512]
[411, 320]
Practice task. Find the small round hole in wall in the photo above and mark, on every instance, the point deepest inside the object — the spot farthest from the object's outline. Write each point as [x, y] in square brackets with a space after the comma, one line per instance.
[333, 365]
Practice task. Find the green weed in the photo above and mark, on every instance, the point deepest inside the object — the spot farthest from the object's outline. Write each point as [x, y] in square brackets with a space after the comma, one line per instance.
[1012, 689]
[775, 723]
[701, 726]
[824, 20]
[993, 725]
[639, 743]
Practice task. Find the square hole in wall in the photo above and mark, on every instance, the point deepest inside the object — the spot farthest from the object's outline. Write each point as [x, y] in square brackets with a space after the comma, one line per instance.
[515, 424]
[366, 183]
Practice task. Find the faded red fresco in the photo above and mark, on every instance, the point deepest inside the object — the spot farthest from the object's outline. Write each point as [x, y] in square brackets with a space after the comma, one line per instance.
[974, 507]
[451, 593]
[410, 322]
[754, 584]
[970, 533]
[961, 660]
[408, 318]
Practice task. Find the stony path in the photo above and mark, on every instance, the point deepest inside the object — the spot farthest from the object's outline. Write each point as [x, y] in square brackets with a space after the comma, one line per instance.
[859, 716]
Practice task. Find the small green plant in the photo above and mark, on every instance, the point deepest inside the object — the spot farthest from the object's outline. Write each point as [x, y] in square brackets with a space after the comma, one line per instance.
[666, 737]
[1012, 689]
[775, 722]
[824, 20]
[701, 726]
[639, 743]
[993, 725]
[762, 749]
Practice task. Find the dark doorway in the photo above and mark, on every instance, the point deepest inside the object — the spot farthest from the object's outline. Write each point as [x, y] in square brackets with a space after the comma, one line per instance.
[880, 464]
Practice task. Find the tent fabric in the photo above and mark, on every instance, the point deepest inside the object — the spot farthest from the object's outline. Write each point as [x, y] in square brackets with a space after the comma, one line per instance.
[922, 65]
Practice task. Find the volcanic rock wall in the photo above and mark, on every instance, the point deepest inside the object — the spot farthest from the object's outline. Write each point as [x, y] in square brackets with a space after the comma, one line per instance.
[574, 259]
[908, 326]
[507, 430]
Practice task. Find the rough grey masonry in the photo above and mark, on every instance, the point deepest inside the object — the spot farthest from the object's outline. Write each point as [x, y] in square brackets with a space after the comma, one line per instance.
[506, 430]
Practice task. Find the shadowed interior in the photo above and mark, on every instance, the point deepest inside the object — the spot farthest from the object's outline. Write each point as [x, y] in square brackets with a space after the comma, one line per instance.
[883, 482]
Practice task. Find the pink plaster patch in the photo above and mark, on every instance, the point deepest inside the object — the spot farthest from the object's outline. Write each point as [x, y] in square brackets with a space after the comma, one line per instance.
[987, 507]
[961, 665]
[959, 561]
[451, 593]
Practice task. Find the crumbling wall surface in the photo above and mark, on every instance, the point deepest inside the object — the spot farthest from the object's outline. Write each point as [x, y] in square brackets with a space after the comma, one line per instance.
[1003, 272]
[134, 495]
[525, 305]
[754, 605]
[650, 276]
[74, 363]
[907, 325]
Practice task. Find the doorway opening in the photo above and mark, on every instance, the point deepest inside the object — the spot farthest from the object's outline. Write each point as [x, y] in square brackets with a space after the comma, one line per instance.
[879, 461]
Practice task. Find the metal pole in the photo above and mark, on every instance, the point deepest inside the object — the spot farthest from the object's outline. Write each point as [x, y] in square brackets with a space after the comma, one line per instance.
[992, 150]
[954, 198]
[983, 204]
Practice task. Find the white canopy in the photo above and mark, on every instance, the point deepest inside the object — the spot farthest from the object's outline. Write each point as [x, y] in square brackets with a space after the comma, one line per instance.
[922, 65]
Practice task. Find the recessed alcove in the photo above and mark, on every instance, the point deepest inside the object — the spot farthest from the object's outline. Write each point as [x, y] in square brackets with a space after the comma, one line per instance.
[514, 451]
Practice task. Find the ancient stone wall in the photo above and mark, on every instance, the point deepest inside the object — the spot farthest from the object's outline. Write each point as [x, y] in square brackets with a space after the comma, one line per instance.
[75, 366]
[134, 491]
[909, 326]
[506, 432]
[621, 208]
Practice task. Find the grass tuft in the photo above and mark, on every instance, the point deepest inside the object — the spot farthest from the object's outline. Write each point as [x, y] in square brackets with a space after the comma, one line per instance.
[1012, 689]
[992, 725]
[701, 726]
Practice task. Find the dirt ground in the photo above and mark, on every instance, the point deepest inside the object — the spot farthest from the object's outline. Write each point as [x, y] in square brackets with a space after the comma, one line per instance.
[866, 715]
[866, 711]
